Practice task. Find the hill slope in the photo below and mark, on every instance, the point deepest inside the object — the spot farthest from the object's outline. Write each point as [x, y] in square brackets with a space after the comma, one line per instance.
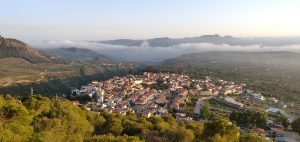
[23, 67]
[18, 49]
[271, 73]
[78, 54]
[281, 58]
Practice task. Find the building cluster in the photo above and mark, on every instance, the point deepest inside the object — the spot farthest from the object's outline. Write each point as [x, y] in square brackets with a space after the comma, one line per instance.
[152, 93]
[255, 96]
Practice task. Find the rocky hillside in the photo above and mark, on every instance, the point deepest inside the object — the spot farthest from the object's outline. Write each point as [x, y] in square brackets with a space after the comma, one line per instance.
[12, 48]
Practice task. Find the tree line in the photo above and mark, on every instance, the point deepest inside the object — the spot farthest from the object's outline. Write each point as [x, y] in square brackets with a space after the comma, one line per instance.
[37, 118]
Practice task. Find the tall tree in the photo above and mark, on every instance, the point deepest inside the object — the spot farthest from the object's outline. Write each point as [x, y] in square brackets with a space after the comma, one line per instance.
[205, 111]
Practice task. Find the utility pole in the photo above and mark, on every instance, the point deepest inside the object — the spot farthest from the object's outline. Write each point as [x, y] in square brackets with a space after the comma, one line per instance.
[31, 91]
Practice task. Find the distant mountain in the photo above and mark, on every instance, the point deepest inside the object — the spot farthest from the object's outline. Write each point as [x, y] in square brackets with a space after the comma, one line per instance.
[214, 39]
[282, 58]
[18, 49]
[78, 54]
[125, 42]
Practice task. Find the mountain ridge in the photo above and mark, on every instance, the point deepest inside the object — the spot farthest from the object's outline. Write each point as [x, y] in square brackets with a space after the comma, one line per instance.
[214, 39]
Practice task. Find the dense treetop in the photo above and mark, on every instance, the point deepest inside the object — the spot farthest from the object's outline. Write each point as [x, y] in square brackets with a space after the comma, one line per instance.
[37, 118]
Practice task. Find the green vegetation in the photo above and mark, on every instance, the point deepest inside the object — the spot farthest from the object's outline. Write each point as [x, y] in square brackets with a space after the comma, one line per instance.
[248, 118]
[112, 138]
[251, 137]
[296, 125]
[189, 107]
[37, 118]
[205, 111]
[221, 130]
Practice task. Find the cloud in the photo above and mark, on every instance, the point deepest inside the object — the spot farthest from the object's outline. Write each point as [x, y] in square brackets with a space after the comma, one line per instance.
[146, 53]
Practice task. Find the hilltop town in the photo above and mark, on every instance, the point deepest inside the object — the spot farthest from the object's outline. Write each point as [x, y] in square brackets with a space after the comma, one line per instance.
[161, 94]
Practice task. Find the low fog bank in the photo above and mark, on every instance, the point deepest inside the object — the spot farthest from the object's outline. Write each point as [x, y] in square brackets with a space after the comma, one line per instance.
[147, 53]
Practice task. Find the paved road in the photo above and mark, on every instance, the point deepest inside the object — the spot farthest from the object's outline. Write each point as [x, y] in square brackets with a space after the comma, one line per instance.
[199, 104]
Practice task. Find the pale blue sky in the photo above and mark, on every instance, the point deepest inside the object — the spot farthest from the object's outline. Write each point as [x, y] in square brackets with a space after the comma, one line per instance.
[112, 19]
